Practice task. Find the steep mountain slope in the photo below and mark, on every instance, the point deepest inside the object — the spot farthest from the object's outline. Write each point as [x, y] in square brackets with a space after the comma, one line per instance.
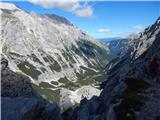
[50, 50]
[130, 92]
[116, 47]
[136, 47]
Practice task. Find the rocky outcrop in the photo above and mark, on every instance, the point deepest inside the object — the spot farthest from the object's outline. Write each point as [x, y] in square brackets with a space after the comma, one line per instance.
[69, 98]
[20, 102]
[14, 84]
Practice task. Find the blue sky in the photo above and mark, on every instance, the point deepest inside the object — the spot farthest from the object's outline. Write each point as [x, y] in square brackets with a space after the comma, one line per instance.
[103, 19]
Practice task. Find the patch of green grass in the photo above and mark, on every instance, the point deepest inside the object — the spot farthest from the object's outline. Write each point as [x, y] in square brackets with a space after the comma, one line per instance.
[99, 78]
[29, 70]
[5, 16]
[19, 72]
[87, 79]
[54, 66]
[68, 84]
[15, 54]
[5, 49]
[46, 59]
[45, 85]
[35, 59]
[95, 79]
[43, 69]
[52, 95]
[54, 82]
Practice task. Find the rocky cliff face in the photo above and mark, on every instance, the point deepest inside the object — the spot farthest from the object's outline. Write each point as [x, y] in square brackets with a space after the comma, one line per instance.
[50, 50]
[130, 91]
[20, 102]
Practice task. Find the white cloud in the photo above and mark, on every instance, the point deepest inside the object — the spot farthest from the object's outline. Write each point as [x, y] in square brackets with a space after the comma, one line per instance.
[103, 30]
[122, 34]
[74, 6]
[85, 12]
[138, 27]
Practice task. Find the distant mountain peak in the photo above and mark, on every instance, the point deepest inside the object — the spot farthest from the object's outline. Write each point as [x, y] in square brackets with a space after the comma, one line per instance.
[8, 6]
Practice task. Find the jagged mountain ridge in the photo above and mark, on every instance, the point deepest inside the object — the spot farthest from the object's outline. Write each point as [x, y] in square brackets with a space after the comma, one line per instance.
[135, 46]
[48, 48]
[142, 41]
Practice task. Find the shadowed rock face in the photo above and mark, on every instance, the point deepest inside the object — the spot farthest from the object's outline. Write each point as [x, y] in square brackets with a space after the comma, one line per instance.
[13, 84]
[21, 108]
[20, 101]
[129, 93]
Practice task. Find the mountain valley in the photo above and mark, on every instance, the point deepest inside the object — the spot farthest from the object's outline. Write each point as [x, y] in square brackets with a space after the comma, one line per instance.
[51, 51]
[52, 70]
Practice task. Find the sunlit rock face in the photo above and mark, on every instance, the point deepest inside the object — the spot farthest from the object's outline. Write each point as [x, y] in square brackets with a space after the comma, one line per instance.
[70, 98]
[50, 50]
[48, 45]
